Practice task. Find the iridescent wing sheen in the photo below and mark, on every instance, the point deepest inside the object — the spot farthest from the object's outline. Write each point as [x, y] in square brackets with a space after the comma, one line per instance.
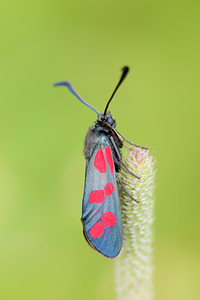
[101, 214]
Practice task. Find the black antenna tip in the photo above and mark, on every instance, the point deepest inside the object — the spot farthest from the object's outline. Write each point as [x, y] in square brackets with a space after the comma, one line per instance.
[125, 69]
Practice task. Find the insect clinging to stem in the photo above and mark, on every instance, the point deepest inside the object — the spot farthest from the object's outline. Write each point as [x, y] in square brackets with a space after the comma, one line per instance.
[101, 213]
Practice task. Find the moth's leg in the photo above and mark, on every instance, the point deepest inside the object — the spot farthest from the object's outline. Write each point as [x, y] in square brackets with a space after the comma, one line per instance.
[127, 169]
[125, 190]
[120, 158]
[130, 142]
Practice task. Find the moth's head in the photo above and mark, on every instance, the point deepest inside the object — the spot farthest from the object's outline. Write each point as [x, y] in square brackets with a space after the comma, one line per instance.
[107, 118]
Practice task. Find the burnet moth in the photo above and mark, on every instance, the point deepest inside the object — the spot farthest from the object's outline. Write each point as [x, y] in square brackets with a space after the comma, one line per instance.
[101, 213]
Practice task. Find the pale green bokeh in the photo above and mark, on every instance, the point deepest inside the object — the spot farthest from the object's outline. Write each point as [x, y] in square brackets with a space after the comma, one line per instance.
[43, 254]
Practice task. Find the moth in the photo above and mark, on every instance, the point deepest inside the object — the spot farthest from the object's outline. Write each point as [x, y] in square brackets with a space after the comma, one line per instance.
[101, 213]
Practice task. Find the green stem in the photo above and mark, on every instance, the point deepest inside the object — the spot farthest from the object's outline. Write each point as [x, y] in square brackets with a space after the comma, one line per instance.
[134, 266]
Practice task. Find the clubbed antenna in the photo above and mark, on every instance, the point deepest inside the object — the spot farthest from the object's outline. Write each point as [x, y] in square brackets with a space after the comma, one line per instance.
[124, 73]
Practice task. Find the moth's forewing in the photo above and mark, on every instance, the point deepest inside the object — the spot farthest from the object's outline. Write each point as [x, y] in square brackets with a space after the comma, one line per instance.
[101, 214]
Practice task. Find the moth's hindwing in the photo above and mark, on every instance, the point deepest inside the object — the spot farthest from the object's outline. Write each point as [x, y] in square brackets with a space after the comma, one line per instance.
[101, 214]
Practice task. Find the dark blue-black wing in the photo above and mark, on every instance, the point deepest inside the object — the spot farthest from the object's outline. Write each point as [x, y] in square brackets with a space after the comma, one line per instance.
[101, 214]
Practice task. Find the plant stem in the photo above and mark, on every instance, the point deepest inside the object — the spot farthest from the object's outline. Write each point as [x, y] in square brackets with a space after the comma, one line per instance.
[134, 265]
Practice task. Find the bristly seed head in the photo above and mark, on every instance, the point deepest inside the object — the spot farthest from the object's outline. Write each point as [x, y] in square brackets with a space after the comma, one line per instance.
[134, 264]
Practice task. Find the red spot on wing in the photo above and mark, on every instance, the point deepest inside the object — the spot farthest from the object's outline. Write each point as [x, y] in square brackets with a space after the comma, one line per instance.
[96, 196]
[97, 230]
[109, 158]
[109, 219]
[109, 189]
[99, 161]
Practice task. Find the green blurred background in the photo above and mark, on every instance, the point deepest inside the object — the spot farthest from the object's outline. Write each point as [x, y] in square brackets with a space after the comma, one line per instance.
[43, 254]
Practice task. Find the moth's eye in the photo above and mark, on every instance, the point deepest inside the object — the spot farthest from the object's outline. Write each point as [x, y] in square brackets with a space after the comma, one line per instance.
[110, 121]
